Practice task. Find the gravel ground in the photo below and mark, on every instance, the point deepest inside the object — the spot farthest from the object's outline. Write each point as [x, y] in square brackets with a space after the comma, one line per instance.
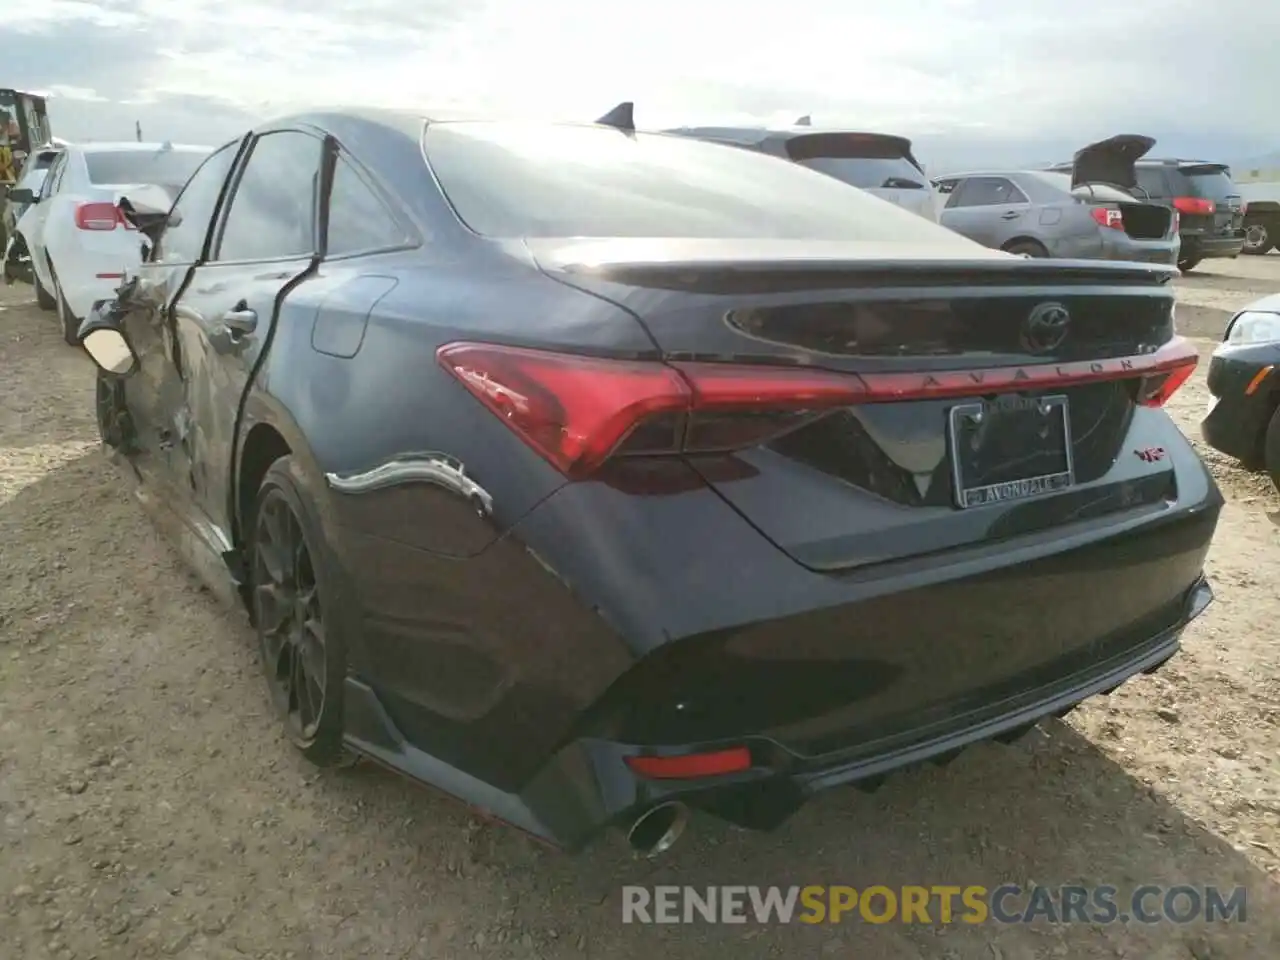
[149, 807]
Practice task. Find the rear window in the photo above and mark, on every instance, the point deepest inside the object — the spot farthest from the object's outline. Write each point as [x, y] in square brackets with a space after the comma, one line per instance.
[549, 180]
[863, 161]
[1210, 182]
[165, 168]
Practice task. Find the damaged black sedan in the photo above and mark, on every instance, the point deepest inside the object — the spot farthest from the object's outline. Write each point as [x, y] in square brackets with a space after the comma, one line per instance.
[594, 475]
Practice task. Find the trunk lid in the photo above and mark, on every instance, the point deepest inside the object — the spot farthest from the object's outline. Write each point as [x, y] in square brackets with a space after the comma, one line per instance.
[878, 481]
[1111, 161]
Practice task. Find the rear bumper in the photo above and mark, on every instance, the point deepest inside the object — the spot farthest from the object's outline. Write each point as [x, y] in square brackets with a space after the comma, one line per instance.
[1207, 248]
[826, 678]
[587, 786]
[1123, 247]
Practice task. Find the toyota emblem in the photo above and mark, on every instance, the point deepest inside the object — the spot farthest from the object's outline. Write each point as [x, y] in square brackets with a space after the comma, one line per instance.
[1045, 328]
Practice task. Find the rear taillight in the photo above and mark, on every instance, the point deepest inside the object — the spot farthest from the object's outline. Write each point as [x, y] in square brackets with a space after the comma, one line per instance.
[1107, 217]
[100, 216]
[577, 411]
[1194, 205]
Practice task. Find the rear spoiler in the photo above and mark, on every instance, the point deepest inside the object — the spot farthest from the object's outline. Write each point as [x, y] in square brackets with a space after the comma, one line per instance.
[803, 146]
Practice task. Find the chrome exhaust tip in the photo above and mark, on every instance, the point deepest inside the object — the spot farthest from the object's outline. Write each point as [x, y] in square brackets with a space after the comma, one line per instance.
[658, 828]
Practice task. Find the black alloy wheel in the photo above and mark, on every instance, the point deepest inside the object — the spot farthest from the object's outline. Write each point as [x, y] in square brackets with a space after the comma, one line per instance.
[290, 618]
[300, 640]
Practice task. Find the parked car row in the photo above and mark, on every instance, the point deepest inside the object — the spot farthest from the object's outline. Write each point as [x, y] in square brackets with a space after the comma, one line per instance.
[595, 475]
[70, 239]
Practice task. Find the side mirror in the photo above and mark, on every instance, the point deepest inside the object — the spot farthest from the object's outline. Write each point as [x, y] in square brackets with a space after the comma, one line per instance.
[106, 343]
[22, 195]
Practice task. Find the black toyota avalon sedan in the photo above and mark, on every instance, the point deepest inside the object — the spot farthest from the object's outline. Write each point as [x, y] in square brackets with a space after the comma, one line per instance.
[595, 476]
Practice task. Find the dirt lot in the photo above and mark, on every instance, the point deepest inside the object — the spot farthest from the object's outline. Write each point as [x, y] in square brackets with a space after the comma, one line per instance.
[148, 806]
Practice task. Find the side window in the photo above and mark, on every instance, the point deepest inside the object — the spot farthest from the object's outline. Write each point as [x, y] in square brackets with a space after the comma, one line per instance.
[1151, 180]
[183, 242]
[272, 213]
[358, 219]
[987, 192]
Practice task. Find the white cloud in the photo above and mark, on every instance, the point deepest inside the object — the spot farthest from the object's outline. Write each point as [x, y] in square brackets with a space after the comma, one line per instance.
[995, 68]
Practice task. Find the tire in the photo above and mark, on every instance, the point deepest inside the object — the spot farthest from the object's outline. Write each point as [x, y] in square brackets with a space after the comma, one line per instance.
[1258, 239]
[1026, 248]
[44, 299]
[66, 319]
[289, 560]
[1188, 264]
[115, 426]
[1271, 448]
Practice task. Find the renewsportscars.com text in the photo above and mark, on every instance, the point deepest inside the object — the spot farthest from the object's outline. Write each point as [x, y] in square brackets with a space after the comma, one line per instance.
[1008, 903]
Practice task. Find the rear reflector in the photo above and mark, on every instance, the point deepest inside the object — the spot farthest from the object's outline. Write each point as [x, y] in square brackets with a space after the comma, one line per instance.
[690, 766]
[577, 411]
[100, 216]
[1107, 217]
[1194, 205]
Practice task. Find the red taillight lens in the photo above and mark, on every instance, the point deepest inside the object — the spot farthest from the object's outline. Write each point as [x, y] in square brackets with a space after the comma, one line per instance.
[690, 766]
[1194, 205]
[579, 411]
[1107, 217]
[100, 216]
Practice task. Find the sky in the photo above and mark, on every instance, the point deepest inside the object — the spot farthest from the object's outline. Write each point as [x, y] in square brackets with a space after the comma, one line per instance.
[970, 81]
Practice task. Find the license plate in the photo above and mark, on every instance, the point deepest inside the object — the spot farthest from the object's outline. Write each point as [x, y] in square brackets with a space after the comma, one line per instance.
[1011, 448]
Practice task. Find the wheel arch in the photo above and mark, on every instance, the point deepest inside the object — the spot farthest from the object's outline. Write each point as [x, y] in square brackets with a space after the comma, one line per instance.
[1024, 238]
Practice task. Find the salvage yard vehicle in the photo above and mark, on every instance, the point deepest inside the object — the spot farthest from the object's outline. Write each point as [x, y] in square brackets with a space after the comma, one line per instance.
[596, 476]
[881, 164]
[1044, 214]
[1210, 208]
[1243, 419]
[1261, 217]
[17, 259]
[78, 244]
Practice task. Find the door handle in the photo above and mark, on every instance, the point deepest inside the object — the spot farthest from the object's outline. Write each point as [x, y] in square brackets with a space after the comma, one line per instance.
[240, 321]
[1010, 215]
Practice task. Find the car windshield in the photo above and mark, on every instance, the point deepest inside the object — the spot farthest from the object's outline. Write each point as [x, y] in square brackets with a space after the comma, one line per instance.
[166, 168]
[561, 180]
[1210, 182]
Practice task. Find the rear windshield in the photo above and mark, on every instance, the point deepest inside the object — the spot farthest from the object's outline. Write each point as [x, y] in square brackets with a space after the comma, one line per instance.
[560, 180]
[860, 160]
[166, 168]
[1213, 183]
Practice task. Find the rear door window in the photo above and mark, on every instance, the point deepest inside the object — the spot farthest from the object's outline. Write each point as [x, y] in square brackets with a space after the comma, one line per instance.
[564, 180]
[272, 212]
[986, 192]
[165, 168]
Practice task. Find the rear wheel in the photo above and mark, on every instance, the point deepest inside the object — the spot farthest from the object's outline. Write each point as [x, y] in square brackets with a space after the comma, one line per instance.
[66, 319]
[1258, 238]
[1026, 248]
[44, 299]
[1187, 264]
[1272, 448]
[298, 615]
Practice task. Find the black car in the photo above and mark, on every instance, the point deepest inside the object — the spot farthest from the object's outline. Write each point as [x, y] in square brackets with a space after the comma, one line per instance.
[594, 475]
[1243, 420]
[1210, 209]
